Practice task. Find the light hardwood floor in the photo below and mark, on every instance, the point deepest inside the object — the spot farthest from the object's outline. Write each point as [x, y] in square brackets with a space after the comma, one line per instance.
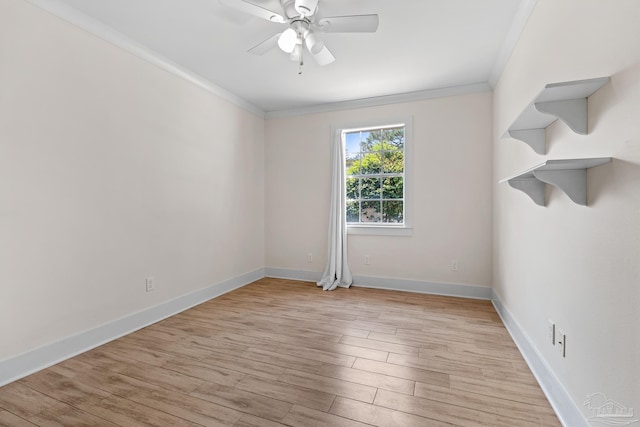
[280, 352]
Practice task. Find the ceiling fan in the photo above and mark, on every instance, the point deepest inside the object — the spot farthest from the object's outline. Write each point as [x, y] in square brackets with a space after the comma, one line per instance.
[303, 21]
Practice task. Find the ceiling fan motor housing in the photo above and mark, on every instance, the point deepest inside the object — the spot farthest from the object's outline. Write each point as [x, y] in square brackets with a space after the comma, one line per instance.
[306, 7]
[295, 8]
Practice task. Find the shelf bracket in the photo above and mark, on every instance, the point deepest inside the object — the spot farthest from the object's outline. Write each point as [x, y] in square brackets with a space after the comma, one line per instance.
[572, 182]
[566, 101]
[569, 175]
[535, 138]
[532, 187]
[571, 111]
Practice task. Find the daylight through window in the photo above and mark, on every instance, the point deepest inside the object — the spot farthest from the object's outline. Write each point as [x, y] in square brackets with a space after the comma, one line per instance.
[375, 175]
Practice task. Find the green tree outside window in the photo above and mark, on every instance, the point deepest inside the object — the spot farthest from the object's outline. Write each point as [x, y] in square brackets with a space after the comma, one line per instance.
[375, 177]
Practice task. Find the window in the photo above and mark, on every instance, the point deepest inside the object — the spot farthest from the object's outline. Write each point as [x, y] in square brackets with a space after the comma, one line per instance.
[375, 169]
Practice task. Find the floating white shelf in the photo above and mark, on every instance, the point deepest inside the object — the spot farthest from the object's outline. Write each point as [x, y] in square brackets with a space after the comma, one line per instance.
[569, 175]
[565, 101]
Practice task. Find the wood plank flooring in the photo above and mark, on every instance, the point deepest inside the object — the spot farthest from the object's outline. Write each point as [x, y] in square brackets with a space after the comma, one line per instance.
[280, 352]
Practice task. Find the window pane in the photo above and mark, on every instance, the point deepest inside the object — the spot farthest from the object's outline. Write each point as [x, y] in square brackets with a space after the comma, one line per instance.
[352, 164]
[377, 140]
[370, 188]
[392, 162]
[392, 211]
[352, 143]
[392, 188]
[371, 212]
[365, 141]
[394, 139]
[370, 164]
[353, 211]
[353, 189]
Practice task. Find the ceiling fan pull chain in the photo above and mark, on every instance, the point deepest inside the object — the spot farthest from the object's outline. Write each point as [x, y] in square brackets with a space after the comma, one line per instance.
[302, 35]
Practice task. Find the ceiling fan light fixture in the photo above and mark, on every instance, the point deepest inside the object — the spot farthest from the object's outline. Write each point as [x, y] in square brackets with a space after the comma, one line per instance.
[296, 55]
[288, 40]
[313, 44]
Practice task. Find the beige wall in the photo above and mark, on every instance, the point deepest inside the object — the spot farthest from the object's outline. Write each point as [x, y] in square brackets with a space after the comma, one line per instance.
[451, 197]
[112, 170]
[579, 266]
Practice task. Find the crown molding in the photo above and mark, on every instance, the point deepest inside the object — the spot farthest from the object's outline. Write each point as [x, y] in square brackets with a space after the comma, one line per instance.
[382, 100]
[108, 34]
[510, 42]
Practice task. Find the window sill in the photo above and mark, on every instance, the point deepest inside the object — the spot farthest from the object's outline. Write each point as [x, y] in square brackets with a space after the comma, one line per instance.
[379, 230]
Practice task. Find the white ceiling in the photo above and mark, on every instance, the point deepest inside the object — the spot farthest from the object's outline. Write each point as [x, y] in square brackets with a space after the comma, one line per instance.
[420, 45]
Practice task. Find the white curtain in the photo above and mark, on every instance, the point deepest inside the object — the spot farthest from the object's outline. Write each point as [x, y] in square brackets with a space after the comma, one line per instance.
[337, 272]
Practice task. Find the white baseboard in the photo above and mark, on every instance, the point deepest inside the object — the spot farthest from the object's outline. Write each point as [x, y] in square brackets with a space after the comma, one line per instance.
[424, 287]
[566, 409]
[32, 361]
[283, 273]
[406, 285]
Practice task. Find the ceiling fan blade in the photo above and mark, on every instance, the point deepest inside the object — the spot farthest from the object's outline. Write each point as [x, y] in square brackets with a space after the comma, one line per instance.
[255, 10]
[265, 46]
[349, 24]
[324, 57]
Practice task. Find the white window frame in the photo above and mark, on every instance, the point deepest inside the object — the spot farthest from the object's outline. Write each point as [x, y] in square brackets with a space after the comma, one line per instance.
[388, 229]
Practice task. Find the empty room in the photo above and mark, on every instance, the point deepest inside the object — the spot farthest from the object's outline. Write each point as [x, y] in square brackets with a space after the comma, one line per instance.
[320, 213]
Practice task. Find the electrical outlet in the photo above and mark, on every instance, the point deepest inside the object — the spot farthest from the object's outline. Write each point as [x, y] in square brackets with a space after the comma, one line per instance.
[454, 265]
[562, 342]
[367, 260]
[309, 257]
[150, 284]
[551, 328]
